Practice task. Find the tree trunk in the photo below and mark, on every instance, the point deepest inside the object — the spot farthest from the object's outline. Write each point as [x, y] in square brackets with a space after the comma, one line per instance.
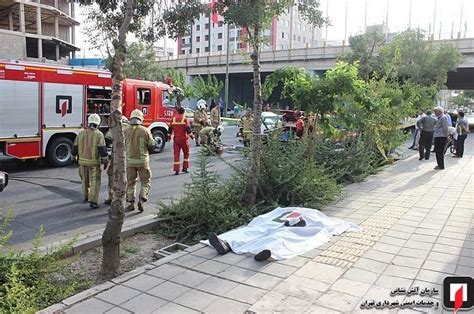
[256, 141]
[111, 237]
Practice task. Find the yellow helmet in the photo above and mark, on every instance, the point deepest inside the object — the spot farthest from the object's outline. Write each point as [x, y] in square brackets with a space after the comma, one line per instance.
[137, 114]
[93, 119]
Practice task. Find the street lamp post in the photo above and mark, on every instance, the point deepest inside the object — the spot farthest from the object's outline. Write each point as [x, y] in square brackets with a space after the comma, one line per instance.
[226, 88]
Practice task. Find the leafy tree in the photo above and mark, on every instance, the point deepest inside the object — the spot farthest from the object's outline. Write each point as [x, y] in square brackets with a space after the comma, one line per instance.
[114, 20]
[253, 16]
[141, 63]
[461, 101]
[207, 88]
[180, 80]
[469, 94]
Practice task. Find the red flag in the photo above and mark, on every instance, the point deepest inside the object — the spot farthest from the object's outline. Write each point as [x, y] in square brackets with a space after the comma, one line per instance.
[458, 300]
[215, 15]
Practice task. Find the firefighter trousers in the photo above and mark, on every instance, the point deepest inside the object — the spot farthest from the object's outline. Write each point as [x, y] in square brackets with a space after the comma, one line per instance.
[178, 146]
[133, 173]
[197, 130]
[90, 177]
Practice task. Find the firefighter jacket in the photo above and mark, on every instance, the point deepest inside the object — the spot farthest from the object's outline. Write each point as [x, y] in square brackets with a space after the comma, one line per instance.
[200, 118]
[246, 125]
[215, 116]
[180, 127]
[89, 145]
[208, 136]
[138, 140]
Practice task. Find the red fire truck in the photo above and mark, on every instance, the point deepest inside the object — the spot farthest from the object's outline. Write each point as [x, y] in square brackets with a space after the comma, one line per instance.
[43, 107]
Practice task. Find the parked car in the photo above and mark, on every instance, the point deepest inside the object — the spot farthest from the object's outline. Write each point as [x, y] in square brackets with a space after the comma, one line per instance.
[3, 180]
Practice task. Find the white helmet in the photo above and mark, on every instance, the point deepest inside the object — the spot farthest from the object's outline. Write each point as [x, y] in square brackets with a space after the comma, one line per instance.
[138, 114]
[220, 129]
[93, 119]
[124, 121]
[201, 104]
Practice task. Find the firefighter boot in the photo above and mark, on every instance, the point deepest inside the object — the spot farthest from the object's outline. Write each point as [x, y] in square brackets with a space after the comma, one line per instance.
[140, 204]
[93, 205]
[263, 255]
[222, 247]
[130, 207]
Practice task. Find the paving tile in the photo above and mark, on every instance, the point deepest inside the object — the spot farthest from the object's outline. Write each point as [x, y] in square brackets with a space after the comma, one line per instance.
[236, 274]
[352, 287]
[430, 276]
[117, 310]
[143, 282]
[118, 295]
[252, 264]
[206, 252]
[408, 261]
[409, 252]
[279, 270]
[440, 267]
[196, 300]
[464, 271]
[168, 290]
[386, 248]
[424, 231]
[370, 265]
[293, 304]
[166, 271]
[429, 285]
[321, 272]
[222, 305]
[144, 303]
[378, 256]
[398, 234]
[245, 294]
[378, 293]
[451, 242]
[389, 282]
[313, 284]
[263, 281]
[297, 261]
[412, 244]
[211, 267]
[189, 260]
[190, 278]
[361, 275]
[466, 261]
[301, 290]
[271, 302]
[401, 271]
[392, 240]
[319, 309]
[217, 286]
[446, 249]
[452, 235]
[229, 258]
[173, 308]
[312, 253]
[338, 301]
[92, 305]
[423, 238]
[442, 257]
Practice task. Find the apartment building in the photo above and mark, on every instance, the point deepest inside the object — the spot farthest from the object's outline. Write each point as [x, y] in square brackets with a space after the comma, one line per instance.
[37, 30]
[289, 31]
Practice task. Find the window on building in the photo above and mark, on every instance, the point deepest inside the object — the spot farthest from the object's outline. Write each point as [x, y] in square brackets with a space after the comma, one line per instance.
[198, 39]
[239, 45]
[304, 39]
[206, 49]
[220, 24]
[219, 36]
[190, 51]
[183, 52]
[206, 26]
[198, 50]
[239, 33]
[183, 41]
[282, 35]
[294, 37]
[206, 38]
[299, 38]
[198, 27]
[219, 48]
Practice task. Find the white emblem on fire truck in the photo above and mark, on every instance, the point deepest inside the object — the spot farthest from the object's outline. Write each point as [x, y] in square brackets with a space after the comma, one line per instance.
[63, 105]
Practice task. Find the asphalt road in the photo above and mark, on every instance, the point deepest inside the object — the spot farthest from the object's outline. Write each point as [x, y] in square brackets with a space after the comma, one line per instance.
[40, 195]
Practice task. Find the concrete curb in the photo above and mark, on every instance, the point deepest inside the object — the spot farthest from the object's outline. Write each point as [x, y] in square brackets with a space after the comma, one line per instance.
[93, 239]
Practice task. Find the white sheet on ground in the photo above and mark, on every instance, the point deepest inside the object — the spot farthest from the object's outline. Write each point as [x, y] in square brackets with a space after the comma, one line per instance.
[268, 232]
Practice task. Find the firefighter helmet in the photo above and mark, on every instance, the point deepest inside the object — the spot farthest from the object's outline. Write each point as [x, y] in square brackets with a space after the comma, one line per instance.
[124, 121]
[93, 119]
[138, 114]
[201, 104]
[220, 129]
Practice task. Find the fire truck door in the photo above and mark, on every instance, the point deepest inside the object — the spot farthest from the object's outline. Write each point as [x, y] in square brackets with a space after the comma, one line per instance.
[19, 109]
[144, 101]
[63, 105]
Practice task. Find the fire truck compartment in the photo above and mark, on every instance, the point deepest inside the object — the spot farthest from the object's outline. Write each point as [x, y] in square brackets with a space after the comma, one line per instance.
[19, 109]
[63, 105]
[24, 150]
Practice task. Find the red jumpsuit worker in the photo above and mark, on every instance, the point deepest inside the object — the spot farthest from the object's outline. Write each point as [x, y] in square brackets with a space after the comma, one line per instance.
[182, 131]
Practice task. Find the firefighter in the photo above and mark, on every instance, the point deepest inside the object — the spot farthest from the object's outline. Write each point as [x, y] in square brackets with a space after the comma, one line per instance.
[138, 140]
[110, 169]
[181, 129]
[216, 116]
[200, 119]
[246, 124]
[90, 148]
[211, 138]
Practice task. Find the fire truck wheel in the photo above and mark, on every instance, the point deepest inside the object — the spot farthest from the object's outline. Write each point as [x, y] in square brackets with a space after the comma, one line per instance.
[59, 152]
[160, 141]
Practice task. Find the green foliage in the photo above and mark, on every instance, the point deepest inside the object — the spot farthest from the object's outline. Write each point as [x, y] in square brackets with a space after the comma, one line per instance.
[207, 88]
[461, 101]
[32, 281]
[208, 205]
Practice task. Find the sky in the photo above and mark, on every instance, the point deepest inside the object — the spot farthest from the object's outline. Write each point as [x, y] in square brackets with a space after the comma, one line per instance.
[446, 17]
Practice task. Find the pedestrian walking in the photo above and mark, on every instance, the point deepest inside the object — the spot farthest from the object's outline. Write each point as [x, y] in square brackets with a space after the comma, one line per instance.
[462, 128]
[216, 116]
[138, 140]
[199, 119]
[426, 126]
[449, 118]
[440, 136]
[110, 165]
[90, 148]
[181, 130]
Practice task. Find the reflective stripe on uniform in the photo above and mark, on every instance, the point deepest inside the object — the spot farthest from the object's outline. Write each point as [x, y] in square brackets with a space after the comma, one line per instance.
[179, 123]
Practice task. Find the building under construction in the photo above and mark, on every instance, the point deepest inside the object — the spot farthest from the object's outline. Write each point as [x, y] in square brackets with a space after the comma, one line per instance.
[37, 30]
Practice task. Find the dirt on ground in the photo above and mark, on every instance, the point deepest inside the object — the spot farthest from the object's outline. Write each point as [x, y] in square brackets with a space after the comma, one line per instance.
[136, 251]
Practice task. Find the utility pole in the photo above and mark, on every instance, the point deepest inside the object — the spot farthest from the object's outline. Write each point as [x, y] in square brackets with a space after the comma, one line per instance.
[226, 88]
[345, 27]
[365, 18]
[386, 18]
[409, 15]
[327, 17]
[460, 19]
[434, 20]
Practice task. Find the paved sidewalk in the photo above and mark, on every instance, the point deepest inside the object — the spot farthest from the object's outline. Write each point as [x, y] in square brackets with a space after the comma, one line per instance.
[419, 228]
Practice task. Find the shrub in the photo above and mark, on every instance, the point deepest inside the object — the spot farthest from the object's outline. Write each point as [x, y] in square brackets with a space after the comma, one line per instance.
[32, 281]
